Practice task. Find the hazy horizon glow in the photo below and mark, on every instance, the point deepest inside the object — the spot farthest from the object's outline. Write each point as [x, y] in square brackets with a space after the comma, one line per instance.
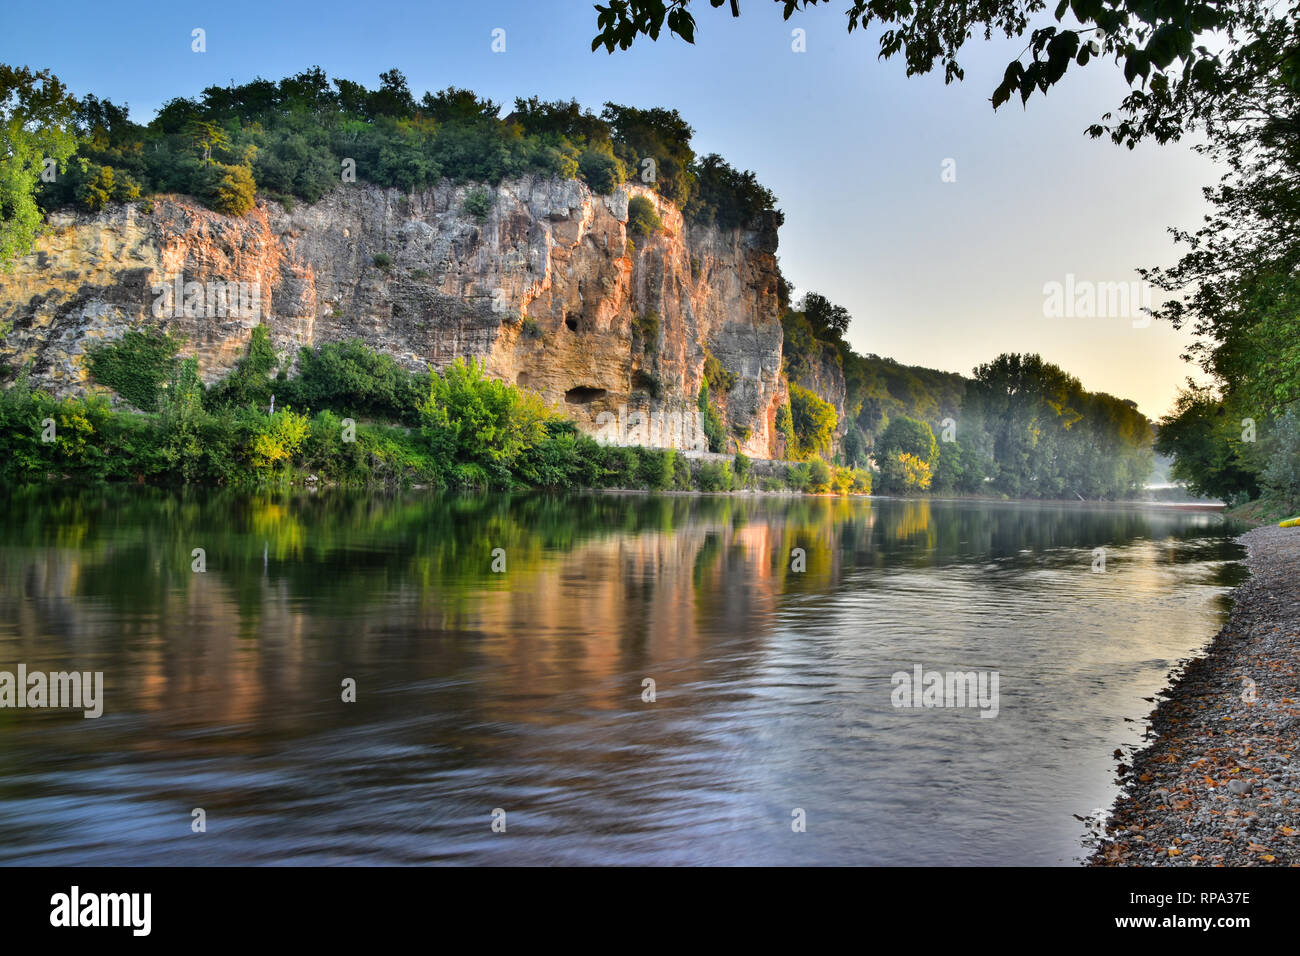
[945, 274]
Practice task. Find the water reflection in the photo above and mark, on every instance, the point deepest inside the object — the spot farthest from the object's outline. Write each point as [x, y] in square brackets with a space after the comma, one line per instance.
[522, 689]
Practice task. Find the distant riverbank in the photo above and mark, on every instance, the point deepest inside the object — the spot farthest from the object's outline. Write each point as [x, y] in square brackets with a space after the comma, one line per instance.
[1219, 785]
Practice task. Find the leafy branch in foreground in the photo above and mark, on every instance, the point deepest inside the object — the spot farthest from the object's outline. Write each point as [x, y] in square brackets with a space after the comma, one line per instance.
[1167, 45]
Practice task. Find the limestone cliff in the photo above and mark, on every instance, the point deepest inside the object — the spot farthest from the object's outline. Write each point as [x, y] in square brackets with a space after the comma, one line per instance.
[544, 288]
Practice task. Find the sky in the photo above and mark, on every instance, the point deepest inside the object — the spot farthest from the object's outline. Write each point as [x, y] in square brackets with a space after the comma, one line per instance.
[936, 221]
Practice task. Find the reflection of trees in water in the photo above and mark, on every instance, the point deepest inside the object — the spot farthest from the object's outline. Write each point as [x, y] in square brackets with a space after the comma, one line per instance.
[398, 589]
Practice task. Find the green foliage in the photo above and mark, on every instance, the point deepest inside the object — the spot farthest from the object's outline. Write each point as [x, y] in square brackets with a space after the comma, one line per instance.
[728, 198]
[909, 436]
[813, 423]
[478, 203]
[740, 468]
[799, 477]
[382, 260]
[715, 476]
[906, 454]
[601, 169]
[681, 473]
[356, 381]
[36, 123]
[249, 382]
[646, 330]
[136, 365]
[1036, 432]
[785, 428]
[659, 135]
[180, 422]
[472, 420]
[655, 468]
[291, 139]
[1163, 45]
[642, 218]
[712, 421]
[819, 476]
[1281, 473]
[277, 442]
[96, 186]
[228, 189]
[1206, 443]
[717, 376]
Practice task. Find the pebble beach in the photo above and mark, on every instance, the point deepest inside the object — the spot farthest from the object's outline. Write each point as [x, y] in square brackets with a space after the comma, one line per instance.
[1219, 785]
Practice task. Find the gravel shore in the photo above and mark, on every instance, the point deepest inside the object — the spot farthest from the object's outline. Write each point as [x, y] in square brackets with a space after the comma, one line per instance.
[1220, 784]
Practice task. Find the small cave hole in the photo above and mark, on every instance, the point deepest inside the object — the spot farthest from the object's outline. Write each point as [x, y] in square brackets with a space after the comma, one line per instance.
[583, 394]
[571, 321]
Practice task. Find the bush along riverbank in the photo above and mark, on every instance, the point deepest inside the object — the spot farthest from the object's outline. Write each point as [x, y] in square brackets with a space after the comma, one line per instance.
[1220, 786]
[350, 417]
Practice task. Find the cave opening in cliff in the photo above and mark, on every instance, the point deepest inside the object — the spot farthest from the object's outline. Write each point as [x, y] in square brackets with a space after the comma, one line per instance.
[583, 394]
[571, 322]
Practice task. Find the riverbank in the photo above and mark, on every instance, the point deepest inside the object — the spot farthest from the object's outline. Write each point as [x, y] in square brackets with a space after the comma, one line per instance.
[1220, 784]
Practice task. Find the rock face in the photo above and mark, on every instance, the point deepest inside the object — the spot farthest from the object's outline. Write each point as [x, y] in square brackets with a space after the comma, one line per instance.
[545, 289]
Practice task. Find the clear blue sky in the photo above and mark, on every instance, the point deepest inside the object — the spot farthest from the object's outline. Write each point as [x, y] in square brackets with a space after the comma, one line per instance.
[944, 274]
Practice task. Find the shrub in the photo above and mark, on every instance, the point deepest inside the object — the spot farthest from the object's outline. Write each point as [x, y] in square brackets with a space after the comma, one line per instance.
[715, 476]
[681, 473]
[901, 472]
[229, 189]
[477, 203]
[601, 170]
[655, 468]
[275, 445]
[797, 477]
[812, 421]
[136, 365]
[180, 421]
[470, 419]
[719, 377]
[712, 420]
[620, 469]
[248, 383]
[906, 453]
[383, 261]
[642, 219]
[353, 379]
[646, 328]
[785, 428]
[740, 467]
[819, 476]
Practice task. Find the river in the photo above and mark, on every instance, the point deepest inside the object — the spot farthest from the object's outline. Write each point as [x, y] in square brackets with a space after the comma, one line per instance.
[501, 646]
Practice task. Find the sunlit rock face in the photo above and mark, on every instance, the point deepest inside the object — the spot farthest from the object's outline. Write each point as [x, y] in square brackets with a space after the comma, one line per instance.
[545, 289]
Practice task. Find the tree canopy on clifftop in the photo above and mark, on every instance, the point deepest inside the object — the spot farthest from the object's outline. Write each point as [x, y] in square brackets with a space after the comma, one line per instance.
[302, 136]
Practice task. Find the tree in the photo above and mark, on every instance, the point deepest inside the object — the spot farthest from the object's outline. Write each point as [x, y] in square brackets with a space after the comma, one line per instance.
[659, 135]
[472, 420]
[907, 453]
[1161, 43]
[207, 136]
[828, 320]
[813, 421]
[37, 125]
[1207, 448]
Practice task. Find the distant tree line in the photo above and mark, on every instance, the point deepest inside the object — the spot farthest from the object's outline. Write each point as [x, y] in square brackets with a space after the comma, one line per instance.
[1020, 427]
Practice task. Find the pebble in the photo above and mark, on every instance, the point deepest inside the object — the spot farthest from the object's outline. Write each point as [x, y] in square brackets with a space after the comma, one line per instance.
[1225, 760]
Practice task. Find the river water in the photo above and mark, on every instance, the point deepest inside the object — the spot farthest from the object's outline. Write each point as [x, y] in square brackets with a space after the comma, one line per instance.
[502, 716]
